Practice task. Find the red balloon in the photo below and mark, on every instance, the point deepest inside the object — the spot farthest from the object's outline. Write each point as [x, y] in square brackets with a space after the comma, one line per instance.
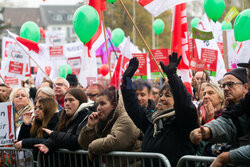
[104, 69]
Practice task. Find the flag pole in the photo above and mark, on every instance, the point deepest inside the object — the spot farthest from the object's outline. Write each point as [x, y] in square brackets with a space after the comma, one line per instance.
[2, 78]
[106, 44]
[131, 19]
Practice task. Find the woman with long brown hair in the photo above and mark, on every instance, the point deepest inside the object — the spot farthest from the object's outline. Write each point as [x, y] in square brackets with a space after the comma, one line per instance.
[72, 119]
[46, 116]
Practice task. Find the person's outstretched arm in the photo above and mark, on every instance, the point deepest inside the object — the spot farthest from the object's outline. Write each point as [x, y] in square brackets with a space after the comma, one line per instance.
[136, 112]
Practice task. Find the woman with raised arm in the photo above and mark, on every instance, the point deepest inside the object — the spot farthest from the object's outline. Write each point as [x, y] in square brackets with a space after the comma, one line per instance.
[167, 131]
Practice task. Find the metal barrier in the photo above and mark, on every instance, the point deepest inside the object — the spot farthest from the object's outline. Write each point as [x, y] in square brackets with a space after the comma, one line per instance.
[9, 156]
[198, 161]
[112, 159]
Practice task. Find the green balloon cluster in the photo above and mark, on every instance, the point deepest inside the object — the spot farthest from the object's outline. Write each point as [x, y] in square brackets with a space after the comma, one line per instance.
[86, 22]
[242, 25]
[194, 22]
[31, 31]
[226, 26]
[111, 1]
[117, 36]
[214, 8]
[158, 26]
[64, 70]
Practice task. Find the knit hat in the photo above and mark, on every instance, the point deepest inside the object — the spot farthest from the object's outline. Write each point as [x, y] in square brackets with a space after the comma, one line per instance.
[239, 73]
[72, 79]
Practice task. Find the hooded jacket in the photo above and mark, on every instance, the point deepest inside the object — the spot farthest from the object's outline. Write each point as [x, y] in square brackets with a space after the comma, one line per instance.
[68, 139]
[119, 134]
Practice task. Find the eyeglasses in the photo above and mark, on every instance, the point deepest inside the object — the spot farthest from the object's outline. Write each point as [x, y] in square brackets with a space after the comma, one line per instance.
[91, 95]
[230, 84]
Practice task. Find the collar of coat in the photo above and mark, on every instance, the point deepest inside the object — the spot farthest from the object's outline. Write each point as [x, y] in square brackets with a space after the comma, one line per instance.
[90, 103]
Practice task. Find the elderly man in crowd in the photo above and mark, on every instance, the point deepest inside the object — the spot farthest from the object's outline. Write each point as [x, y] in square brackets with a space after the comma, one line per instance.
[228, 128]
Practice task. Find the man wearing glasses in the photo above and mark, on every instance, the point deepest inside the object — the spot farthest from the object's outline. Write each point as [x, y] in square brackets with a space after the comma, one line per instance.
[93, 90]
[61, 86]
[235, 86]
[228, 128]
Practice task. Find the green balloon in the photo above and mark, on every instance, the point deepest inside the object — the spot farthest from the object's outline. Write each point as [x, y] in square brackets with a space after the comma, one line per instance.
[117, 36]
[242, 25]
[194, 22]
[86, 22]
[158, 26]
[226, 26]
[31, 31]
[64, 70]
[214, 8]
[111, 1]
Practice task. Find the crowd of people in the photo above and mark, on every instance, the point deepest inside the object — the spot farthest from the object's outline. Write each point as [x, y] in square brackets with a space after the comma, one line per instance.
[213, 121]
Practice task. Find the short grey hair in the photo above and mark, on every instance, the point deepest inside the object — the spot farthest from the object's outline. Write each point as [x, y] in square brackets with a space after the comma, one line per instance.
[65, 82]
[46, 90]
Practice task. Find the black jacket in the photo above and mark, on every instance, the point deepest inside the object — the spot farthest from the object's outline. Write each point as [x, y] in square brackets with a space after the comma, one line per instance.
[69, 139]
[173, 141]
[24, 134]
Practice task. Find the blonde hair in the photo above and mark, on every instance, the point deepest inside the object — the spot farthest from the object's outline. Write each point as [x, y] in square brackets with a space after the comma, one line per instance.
[48, 91]
[13, 93]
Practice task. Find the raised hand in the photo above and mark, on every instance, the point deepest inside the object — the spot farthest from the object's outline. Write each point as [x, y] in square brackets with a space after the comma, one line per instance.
[132, 67]
[171, 68]
[93, 119]
[209, 111]
[43, 148]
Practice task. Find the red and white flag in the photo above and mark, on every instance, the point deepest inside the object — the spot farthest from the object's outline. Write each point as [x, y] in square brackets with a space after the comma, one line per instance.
[180, 43]
[121, 64]
[157, 7]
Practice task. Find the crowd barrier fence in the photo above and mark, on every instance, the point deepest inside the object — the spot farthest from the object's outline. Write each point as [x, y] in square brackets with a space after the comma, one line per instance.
[10, 157]
[195, 161]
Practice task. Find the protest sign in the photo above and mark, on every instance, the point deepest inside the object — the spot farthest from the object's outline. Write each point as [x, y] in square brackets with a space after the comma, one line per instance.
[210, 56]
[202, 35]
[55, 38]
[6, 124]
[142, 68]
[160, 55]
[231, 14]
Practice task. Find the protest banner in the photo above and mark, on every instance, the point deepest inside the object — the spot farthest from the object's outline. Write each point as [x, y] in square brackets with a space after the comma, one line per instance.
[202, 35]
[15, 61]
[142, 68]
[6, 124]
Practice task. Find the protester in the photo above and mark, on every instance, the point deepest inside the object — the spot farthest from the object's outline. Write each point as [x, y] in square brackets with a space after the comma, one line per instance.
[71, 121]
[235, 86]
[73, 81]
[167, 131]
[61, 86]
[21, 104]
[213, 102]
[110, 128]
[198, 78]
[31, 132]
[93, 90]
[228, 128]
[5, 91]
[143, 89]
